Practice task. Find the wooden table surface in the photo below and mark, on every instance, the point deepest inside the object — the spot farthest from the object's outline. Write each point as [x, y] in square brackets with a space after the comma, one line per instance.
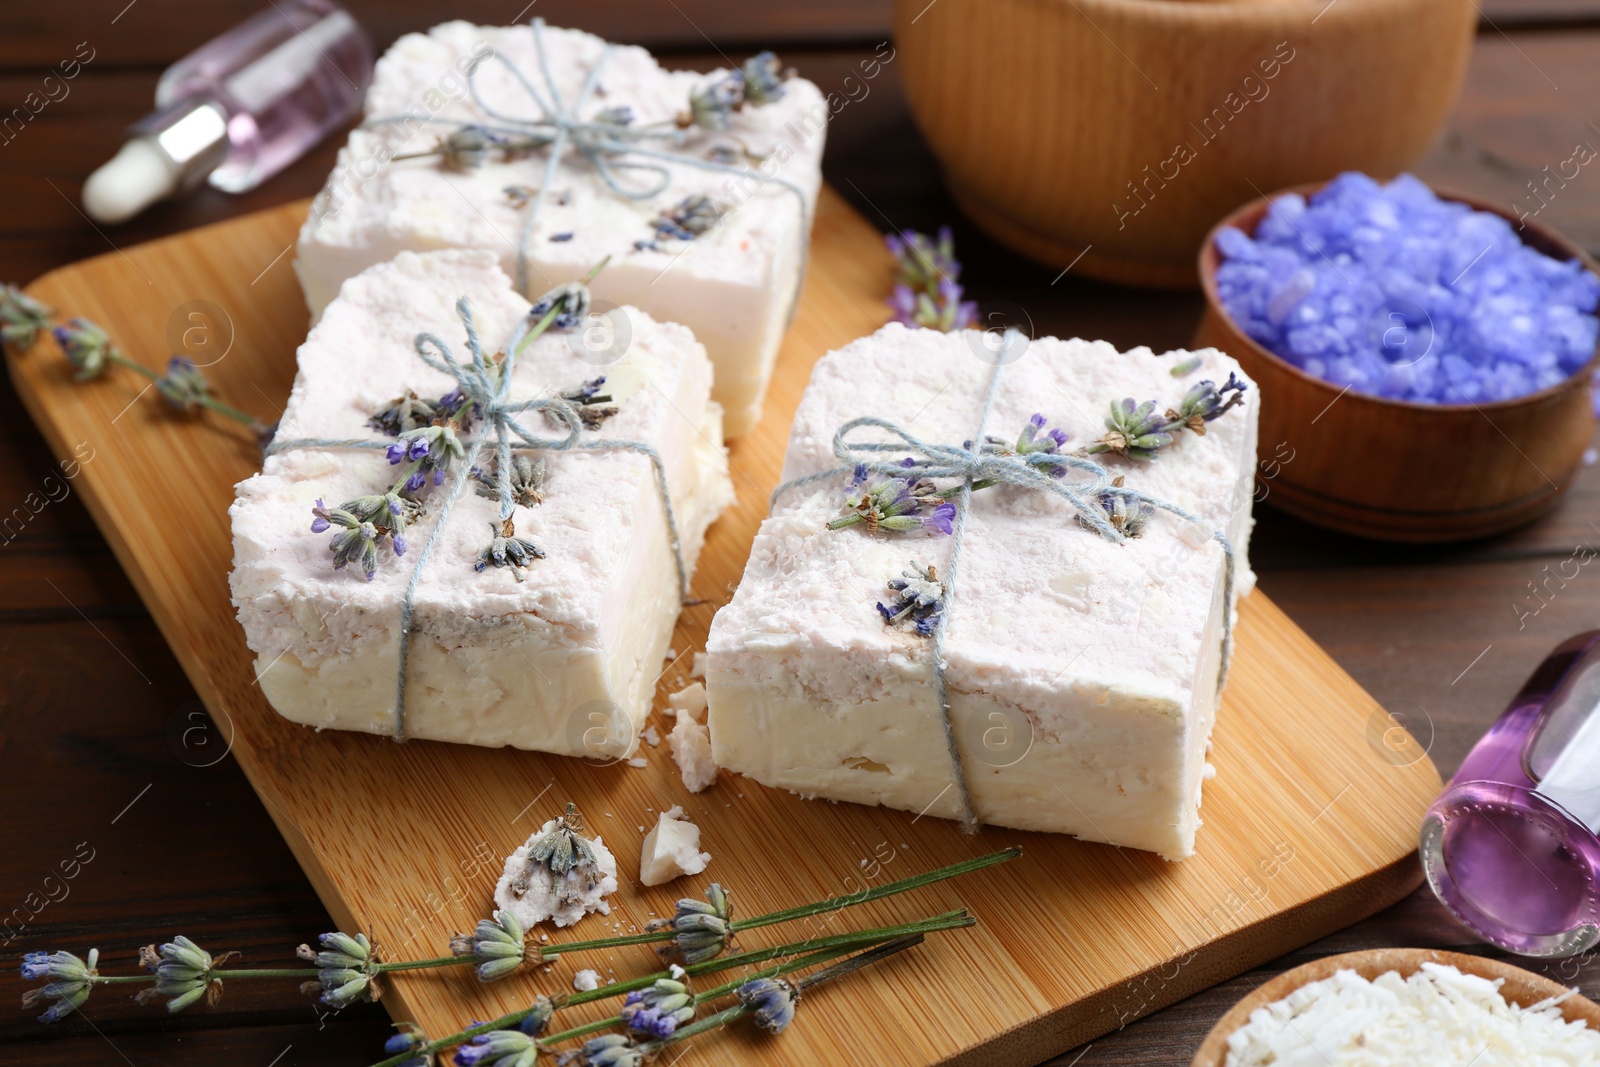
[104, 749]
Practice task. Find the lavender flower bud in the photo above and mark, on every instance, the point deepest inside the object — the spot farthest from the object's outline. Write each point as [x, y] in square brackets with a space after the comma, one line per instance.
[497, 944]
[22, 318]
[611, 1050]
[71, 979]
[712, 104]
[87, 347]
[183, 973]
[406, 1041]
[763, 79]
[703, 927]
[498, 1048]
[183, 386]
[345, 972]
[919, 600]
[773, 1000]
[466, 148]
[658, 1010]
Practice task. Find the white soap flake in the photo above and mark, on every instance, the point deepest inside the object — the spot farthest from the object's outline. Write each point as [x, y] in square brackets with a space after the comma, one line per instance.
[586, 980]
[691, 740]
[697, 669]
[1436, 1016]
[671, 849]
[651, 735]
[563, 899]
[638, 761]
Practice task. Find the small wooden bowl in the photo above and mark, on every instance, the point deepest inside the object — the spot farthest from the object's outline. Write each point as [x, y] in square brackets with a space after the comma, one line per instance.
[1109, 134]
[1396, 470]
[1520, 987]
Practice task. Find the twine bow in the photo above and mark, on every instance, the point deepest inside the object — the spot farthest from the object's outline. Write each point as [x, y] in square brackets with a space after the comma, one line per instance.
[607, 146]
[976, 467]
[486, 387]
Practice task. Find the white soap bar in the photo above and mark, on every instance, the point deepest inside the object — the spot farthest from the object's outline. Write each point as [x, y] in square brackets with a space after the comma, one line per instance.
[734, 286]
[562, 899]
[671, 849]
[1082, 672]
[563, 661]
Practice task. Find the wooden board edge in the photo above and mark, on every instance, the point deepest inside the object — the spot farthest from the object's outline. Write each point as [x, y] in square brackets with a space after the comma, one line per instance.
[1226, 957]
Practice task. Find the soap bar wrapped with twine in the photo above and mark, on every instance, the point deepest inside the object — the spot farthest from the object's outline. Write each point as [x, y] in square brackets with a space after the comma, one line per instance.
[442, 441]
[929, 488]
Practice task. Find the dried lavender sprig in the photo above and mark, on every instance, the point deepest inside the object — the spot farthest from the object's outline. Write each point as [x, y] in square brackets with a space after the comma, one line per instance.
[837, 943]
[926, 291]
[810, 981]
[90, 350]
[819, 950]
[1136, 431]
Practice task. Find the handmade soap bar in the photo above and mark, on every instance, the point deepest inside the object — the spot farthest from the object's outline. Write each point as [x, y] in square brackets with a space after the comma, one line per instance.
[559, 655]
[720, 247]
[1082, 672]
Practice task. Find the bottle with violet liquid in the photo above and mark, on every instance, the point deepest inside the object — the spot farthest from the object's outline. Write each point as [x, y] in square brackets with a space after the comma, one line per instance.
[1512, 846]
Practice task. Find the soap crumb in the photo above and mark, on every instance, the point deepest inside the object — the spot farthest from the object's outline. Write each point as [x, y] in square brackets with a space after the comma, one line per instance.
[671, 849]
[586, 980]
[1591, 456]
[651, 735]
[676, 972]
[638, 761]
[697, 669]
[672, 653]
[691, 740]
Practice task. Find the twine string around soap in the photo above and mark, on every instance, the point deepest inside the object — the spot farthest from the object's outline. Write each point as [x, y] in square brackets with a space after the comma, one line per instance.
[486, 389]
[607, 146]
[970, 464]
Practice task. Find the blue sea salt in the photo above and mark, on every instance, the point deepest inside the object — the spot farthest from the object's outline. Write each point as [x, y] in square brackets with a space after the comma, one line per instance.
[1391, 291]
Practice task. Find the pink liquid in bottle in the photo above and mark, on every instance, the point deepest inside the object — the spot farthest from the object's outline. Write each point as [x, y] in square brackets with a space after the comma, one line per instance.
[1512, 846]
[241, 107]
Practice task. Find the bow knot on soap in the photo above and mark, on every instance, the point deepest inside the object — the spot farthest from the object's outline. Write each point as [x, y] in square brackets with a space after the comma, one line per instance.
[984, 465]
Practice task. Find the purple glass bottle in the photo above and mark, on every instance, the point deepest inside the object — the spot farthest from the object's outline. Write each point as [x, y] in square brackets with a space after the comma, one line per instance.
[240, 108]
[1512, 846]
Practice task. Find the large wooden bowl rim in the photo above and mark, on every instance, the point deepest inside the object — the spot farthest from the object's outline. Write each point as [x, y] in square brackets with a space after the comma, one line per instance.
[1520, 987]
[1211, 13]
[1538, 237]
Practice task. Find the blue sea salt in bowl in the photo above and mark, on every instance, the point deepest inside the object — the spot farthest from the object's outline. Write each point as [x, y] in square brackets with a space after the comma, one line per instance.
[1394, 292]
[1424, 359]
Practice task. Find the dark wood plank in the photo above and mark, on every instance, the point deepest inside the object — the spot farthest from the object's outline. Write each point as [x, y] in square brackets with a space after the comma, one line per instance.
[1526, 106]
[154, 33]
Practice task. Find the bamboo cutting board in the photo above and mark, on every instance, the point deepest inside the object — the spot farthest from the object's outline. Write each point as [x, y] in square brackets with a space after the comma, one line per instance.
[1311, 822]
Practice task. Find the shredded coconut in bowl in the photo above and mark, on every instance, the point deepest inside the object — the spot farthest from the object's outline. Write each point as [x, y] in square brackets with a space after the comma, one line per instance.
[1438, 1017]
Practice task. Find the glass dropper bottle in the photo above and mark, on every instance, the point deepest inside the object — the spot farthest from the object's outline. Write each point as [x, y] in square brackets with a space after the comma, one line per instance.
[240, 108]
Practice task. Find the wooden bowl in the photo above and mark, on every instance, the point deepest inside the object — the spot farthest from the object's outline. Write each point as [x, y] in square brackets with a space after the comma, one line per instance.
[1118, 131]
[1520, 987]
[1401, 471]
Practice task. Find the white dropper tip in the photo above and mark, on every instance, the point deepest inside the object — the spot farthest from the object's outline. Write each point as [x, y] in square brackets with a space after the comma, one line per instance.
[131, 181]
